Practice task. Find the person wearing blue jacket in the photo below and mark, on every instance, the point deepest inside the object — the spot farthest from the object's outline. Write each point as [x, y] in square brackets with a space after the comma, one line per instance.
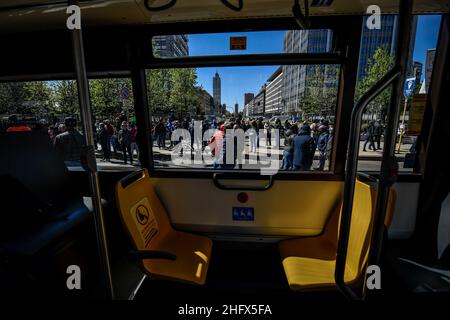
[304, 148]
[322, 143]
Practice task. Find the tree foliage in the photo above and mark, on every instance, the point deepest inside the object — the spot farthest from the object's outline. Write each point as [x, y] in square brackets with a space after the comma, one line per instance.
[106, 95]
[377, 67]
[319, 96]
[173, 91]
[65, 97]
[27, 98]
[170, 91]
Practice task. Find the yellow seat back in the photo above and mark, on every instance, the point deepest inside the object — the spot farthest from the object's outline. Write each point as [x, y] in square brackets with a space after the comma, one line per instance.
[147, 224]
[360, 230]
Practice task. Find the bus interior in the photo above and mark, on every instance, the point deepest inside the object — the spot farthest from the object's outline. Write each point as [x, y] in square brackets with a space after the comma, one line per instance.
[174, 226]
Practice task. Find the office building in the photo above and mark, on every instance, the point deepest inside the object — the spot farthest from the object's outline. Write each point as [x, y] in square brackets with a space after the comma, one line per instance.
[273, 102]
[217, 89]
[169, 46]
[429, 67]
[248, 97]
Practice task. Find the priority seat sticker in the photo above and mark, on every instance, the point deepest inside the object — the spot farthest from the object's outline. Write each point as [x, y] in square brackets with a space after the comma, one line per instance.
[145, 221]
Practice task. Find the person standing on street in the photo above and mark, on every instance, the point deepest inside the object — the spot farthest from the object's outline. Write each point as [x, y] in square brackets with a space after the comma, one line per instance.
[304, 148]
[370, 137]
[70, 143]
[125, 139]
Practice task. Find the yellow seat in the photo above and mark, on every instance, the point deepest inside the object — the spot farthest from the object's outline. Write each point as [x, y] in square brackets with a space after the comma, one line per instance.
[148, 225]
[309, 263]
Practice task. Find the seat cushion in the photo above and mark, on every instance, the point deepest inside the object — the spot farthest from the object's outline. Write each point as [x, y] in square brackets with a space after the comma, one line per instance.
[193, 253]
[312, 247]
[306, 273]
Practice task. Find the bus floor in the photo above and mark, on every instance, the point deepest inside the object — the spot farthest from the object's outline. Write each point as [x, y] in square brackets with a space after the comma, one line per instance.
[239, 273]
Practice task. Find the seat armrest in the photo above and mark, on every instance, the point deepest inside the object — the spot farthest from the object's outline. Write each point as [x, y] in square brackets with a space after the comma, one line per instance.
[151, 254]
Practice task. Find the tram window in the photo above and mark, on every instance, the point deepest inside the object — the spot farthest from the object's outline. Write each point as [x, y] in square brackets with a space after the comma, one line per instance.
[52, 106]
[377, 57]
[235, 43]
[115, 124]
[196, 112]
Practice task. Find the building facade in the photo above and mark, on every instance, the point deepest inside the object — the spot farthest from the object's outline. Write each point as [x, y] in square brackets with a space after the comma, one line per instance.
[386, 37]
[273, 101]
[206, 103]
[248, 96]
[417, 71]
[248, 108]
[169, 46]
[217, 89]
[295, 76]
[259, 103]
[429, 67]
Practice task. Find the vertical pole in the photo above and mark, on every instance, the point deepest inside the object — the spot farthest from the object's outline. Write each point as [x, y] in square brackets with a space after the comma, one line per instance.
[388, 164]
[86, 115]
[403, 125]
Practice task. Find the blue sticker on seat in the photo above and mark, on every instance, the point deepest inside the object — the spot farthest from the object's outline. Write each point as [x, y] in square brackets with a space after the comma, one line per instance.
[243, 214]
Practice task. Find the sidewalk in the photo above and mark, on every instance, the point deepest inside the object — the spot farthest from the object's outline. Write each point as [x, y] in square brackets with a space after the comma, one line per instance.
[377, 155]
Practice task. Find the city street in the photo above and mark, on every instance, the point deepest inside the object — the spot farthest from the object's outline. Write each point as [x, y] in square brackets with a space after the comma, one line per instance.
[368, 160]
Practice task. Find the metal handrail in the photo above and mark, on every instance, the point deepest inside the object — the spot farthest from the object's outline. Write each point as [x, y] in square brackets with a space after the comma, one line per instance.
[393, 75]
[350, 175]
[86, 115]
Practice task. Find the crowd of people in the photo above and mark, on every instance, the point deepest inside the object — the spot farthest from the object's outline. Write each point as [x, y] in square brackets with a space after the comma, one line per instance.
[301, 140]
[118, 135]
[117, 138]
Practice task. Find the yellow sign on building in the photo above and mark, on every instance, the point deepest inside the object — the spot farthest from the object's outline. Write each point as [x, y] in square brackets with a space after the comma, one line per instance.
[416, 114]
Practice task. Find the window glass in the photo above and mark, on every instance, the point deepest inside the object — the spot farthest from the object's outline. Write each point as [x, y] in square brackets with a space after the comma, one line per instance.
[376, 57]
[257, 42]
[254, 117]
[53, 107]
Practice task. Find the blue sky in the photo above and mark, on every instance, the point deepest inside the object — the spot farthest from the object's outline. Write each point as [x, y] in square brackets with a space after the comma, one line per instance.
[426, 37]
[238, 80]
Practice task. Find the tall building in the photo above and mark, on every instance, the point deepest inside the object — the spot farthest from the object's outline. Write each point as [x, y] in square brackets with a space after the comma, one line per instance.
[217, 89]
[236, 109]
[295, 76]
[169, 46]
[429, 67]
[417, 71]
[249, 108]
[386, 37]
[206, 102]
[273, 103]
[248, 97]
[259, 102]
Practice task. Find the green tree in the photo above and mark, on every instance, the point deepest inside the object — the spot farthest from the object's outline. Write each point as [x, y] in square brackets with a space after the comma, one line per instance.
[158, 90]
[65, 94]
[376, 68]
[12, 97]
[27, 98]
[184, 96]
[106, 99]
[319, 96]
[39, 98]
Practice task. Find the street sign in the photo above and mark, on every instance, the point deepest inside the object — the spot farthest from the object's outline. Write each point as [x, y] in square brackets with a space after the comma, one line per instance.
[125, 93]
[238, 43]
[409, 87]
